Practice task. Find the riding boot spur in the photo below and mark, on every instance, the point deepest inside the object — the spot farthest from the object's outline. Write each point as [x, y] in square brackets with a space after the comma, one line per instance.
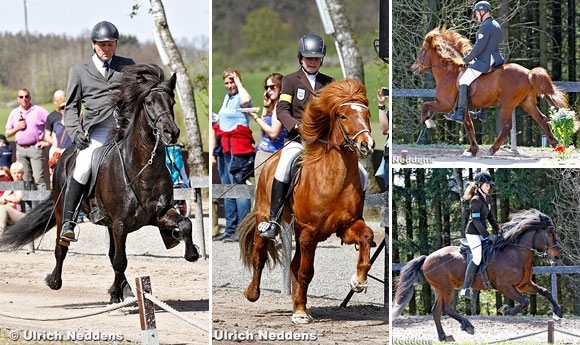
[72, 199]
[480, 114]
[270, 229]
[469, 276]
[461, 105]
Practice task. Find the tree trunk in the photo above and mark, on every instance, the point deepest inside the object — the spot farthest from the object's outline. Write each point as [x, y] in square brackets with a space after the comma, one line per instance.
[347, 47]
[195, 160]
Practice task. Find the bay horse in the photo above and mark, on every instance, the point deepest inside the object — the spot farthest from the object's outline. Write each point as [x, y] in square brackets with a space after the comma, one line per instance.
[510, 268]
[133, 187]
[509, 85]
[327, 196]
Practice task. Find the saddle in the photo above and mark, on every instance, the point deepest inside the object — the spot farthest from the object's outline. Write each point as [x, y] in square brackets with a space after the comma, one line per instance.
[96, 215]
[486, 251]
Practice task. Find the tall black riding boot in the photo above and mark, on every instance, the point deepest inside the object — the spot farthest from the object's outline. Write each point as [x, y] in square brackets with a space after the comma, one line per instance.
[461, 105]
[270, 229]
[72, 198]
[469, 275]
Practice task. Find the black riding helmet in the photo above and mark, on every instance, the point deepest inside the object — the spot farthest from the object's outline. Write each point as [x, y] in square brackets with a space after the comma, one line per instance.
[484, 177]
[311, 45]
[104, 31]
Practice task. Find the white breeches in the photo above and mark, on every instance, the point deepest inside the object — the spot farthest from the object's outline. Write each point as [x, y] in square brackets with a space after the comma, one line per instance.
[291, 151]
[470, 74]
[475, 246]
[98, 136]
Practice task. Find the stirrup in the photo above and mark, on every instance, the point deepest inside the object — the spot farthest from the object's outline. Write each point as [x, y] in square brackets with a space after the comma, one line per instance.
[269, 230]
[452, 117]
[68, 234]
[465, 293]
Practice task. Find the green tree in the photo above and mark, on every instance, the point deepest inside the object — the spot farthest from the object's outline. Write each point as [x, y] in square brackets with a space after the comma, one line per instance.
[264, 34]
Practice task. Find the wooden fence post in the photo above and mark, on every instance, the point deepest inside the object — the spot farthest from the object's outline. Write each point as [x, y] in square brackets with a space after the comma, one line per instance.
[149, 334]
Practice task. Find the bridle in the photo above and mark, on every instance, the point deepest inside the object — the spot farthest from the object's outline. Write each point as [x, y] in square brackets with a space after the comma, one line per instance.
[540, 253]
[421, 61]
[152, 122]
[350, 142]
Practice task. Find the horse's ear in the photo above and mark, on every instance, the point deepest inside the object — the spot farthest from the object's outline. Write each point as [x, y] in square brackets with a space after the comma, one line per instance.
[172, 81]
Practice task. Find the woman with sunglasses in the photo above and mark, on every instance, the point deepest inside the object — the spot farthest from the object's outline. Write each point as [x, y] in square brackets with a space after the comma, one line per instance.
[273, 133]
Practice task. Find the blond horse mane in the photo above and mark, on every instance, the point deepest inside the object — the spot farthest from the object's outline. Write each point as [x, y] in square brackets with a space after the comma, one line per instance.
[450, 45]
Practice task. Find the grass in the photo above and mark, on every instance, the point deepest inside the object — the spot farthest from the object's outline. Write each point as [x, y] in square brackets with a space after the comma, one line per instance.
[375, 77]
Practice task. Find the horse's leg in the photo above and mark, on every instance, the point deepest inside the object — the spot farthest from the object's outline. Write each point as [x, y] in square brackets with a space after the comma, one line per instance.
[439, 106]
[506, 120]
[302, 269]
[362, 235]
[173, 219]
[511, 292]
[529, 104]
[443, 306]
[470, 133]
[534, 289]
[259, 259]
[54, 280]
[118, 257]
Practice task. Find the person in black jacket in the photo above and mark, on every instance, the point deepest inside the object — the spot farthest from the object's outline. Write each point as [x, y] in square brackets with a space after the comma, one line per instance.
[483, 56]
[91, 84]
[480, 213]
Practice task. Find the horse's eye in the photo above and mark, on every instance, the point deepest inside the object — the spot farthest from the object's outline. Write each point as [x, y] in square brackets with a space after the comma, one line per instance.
[148, 103]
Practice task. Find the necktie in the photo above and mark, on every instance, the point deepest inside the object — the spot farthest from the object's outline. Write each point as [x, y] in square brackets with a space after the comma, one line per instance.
[106, 66]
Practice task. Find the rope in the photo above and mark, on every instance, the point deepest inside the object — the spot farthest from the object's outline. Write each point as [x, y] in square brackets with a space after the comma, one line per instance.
[126, 303]
[565, 332]
[519, 337]
[174, 312]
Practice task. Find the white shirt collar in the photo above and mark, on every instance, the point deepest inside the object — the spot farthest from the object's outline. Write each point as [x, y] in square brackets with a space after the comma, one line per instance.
[99, 64]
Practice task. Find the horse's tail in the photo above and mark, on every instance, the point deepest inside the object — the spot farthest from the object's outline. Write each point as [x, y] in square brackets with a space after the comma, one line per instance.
[405, 284]
[245, 232]
[39, 219]
[542, 84]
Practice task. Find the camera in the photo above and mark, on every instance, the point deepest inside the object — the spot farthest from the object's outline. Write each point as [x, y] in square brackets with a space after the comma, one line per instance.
[385, 92]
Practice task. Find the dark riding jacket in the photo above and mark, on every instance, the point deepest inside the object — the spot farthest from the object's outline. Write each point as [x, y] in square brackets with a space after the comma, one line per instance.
[294, 96]
[486, 45]
[480, 207]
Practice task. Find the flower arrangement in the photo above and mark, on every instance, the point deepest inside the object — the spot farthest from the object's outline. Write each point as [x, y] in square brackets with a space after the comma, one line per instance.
[562, 125]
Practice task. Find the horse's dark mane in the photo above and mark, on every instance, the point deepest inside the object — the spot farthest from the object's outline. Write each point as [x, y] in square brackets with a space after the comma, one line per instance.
[317, 119]
[450, 45]
[519, 223]
[136, 83]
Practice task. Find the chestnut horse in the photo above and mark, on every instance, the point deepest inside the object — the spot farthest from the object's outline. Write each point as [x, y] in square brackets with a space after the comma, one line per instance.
[133, 187]
[509, 85]
[327, 196]
[510, 270]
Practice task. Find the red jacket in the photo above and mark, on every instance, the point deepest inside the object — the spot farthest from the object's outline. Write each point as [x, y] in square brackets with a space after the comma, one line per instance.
[239, 141]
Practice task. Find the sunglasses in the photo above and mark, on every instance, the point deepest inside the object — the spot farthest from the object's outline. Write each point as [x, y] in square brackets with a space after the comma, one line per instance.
[269, 87]
[24, 96]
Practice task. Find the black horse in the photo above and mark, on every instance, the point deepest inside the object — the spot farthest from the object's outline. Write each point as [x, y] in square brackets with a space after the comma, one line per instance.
[132, 186]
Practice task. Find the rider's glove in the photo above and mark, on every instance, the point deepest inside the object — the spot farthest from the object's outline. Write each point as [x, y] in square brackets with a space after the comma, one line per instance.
[81, 141]
[492, 237]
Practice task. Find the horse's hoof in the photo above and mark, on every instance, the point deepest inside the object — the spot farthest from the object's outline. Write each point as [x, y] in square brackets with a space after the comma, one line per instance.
[430, 123]
[127, 292]
[252, 297]
[192, 257]
[356, 286]
[503, 310]
[557, 316]
[54, 284]
[470, 330]
[301, 319]
[467, 153]
[449, 339]
[491, 151]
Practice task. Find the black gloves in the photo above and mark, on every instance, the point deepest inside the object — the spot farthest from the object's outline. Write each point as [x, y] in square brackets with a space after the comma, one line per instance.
[492, 237]
[81, 141]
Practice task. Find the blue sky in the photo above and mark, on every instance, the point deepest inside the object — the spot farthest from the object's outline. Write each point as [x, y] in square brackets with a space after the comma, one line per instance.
[187, 19]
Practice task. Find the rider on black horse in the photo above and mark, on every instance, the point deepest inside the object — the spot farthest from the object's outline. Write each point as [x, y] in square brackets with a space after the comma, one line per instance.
[480, 212]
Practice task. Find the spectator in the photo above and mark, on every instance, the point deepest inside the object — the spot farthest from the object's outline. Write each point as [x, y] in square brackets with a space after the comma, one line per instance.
[5, 152]
[8, 214]
[26, 124]
[235, 145]
[273, 133]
